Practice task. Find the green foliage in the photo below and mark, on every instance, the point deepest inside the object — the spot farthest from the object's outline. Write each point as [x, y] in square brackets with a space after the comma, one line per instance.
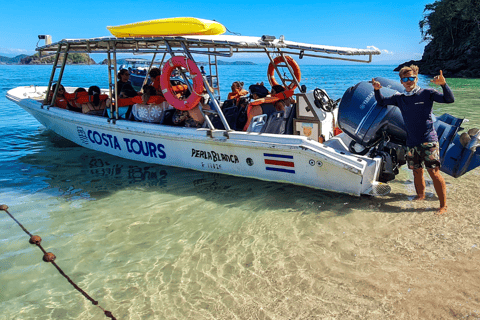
[73, 58]
[452, 22]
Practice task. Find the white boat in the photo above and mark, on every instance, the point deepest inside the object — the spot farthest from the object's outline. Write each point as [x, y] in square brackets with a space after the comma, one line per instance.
[346, 162]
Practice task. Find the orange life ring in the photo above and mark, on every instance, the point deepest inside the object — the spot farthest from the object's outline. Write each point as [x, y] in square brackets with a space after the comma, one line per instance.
[167, 89]
[292, 63]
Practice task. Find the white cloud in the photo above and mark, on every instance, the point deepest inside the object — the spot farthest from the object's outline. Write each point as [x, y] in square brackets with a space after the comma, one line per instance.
[385, 51]
[13, 50]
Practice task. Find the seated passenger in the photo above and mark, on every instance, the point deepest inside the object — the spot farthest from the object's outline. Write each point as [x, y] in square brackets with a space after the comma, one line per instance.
[257, 93]
[284, 96]
[63, 98]
[95, 102]
[148, 91]
[154, 75]
[76, 94]
[149, 107]
[125, 94]
[194, 117]
[124, 86]
[237, 92]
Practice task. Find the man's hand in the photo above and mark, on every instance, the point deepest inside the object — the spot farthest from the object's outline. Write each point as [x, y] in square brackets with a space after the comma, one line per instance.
[439, 80]
[376, 84]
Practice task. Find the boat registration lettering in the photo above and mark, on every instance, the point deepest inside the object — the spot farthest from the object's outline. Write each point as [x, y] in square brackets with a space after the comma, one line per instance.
[214, 156]
[146, 148]
[105, 139]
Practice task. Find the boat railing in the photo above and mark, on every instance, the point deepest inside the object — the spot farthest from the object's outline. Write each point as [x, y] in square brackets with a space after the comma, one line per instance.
[209, 90]
[212, 46]
[58, 80]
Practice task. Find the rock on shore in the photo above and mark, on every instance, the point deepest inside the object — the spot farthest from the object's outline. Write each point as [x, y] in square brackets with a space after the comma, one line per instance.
[462, 61]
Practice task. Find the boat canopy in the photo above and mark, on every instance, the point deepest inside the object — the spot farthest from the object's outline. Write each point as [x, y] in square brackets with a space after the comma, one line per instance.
[229, 43]
[211, 45]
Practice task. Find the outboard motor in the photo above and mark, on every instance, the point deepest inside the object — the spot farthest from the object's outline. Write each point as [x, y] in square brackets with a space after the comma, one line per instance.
[364, 121]
[380, 131]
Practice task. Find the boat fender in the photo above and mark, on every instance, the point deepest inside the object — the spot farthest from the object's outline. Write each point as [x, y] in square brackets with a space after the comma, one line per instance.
[167, 88]
[292, 63]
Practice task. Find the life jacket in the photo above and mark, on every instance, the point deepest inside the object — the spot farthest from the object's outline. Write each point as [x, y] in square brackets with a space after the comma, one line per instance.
[237, 94]
[284, 95]
[76, 95]
[151, 100]
[62, 102]
[181, 88]
[122, 102]
[156, 84]
[277, 97]
[83, 97]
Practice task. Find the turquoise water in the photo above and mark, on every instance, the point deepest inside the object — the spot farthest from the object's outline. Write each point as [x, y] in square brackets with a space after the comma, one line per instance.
[154, 242]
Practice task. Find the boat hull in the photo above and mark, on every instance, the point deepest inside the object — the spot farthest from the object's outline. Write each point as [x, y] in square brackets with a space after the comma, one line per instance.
[279, 158]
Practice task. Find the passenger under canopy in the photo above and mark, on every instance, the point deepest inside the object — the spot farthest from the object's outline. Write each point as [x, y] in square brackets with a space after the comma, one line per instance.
[211, 45]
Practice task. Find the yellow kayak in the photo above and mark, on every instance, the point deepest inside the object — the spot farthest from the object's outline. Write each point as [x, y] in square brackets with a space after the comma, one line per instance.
[168, 27]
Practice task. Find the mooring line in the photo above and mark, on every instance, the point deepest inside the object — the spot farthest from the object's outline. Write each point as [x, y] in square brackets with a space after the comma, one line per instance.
[50, 257]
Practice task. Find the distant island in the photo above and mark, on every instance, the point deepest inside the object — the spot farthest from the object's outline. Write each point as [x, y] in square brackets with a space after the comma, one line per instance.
[72, 58]
[14, 60]
[84, 59]
[200, 63]
[36, 59]
[452, 29]
[220, 62]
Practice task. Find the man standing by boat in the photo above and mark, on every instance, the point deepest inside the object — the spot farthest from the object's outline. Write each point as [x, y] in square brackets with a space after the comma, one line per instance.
[416, 106]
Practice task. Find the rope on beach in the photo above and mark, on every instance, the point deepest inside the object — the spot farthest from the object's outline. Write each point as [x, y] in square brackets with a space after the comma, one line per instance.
[50, 257]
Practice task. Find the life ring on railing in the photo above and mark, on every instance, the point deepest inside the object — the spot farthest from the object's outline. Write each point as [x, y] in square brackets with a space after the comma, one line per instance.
[292, 63]
[168, 90]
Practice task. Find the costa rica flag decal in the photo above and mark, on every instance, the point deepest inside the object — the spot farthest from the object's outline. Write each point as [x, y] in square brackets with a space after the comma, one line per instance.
[279, 163]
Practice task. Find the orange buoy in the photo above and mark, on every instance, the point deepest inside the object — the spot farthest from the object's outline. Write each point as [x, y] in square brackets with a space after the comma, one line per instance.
[168, 90]
[292, 63]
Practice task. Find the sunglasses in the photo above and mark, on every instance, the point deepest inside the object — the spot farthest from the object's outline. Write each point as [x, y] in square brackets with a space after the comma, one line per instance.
[408, 79]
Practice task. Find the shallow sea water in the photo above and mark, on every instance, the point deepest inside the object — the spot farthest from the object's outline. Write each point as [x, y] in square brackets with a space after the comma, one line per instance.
[156, 242]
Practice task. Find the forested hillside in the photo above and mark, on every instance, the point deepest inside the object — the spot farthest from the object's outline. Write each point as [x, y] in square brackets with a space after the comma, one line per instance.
[452, 30]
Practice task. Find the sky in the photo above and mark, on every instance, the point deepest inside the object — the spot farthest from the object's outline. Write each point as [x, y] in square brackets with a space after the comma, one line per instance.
[391, 26]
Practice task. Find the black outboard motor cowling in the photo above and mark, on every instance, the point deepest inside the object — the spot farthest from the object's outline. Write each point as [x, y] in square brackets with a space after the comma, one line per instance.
[364, 121]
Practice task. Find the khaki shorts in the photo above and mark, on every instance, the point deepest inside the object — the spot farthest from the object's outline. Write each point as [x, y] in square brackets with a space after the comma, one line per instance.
[427, 154]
